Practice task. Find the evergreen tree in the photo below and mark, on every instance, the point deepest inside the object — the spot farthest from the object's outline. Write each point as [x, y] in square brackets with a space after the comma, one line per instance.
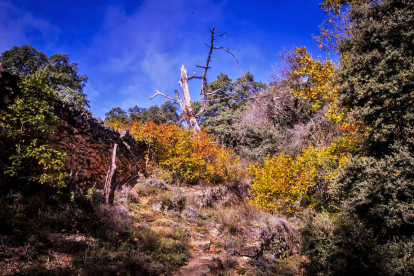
[117, 114]
[373, 231]
[167, 113]
[227, 103]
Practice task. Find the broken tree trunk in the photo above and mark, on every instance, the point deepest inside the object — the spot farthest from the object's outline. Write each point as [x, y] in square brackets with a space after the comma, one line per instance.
[110, 183]
[188, 109]
[185, 104]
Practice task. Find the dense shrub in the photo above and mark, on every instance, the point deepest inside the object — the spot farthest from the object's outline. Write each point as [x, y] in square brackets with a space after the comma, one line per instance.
[372, 233]
[339, 245]
[189, 157]
[28, 125]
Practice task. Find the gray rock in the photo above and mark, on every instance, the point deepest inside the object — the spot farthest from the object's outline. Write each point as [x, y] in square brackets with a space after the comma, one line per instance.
[157, 206]
[176, 202]
[190, 213]
[209, 195]
[232, 247]
[278, 239]
[157, 183]
[249, 251]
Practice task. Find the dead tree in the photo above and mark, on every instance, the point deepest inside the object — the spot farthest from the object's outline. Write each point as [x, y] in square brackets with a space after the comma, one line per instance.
[185, 102]
[110, 181]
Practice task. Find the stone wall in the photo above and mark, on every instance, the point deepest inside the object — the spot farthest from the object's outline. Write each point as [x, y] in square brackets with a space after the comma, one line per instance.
[89, 144]
[86, 140]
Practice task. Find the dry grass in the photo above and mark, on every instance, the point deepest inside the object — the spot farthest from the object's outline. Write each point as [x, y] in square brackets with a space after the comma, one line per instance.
[55, 234]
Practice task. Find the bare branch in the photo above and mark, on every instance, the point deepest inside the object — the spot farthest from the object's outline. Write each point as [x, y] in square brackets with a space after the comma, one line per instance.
[203, 79]
[215, 91]
[220, 34]
[181, 120]
[180, 102]
[162, 94]
[194, 76]
[206, 67]
[222, 48]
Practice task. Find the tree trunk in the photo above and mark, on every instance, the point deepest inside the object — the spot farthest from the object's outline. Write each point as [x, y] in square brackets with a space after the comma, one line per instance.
[188, 109]
[110, 183]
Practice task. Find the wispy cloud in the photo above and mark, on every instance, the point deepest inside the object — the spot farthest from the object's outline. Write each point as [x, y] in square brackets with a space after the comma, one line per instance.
[18, 27]
[145, 49]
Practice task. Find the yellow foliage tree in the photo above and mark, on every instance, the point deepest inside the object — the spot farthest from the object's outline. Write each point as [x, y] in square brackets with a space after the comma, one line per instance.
[281, 182]
[317, 84]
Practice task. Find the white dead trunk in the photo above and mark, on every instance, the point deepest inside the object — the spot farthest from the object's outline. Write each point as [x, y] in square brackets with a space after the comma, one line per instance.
[188, 109]
[189, 115]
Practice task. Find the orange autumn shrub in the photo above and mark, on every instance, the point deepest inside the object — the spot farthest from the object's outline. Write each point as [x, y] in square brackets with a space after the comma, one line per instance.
[189, 157]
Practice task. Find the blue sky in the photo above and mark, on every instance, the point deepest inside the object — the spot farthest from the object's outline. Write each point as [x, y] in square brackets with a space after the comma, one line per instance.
[129, 49]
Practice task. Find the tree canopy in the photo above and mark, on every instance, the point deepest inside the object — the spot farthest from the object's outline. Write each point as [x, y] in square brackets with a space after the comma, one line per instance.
[61, 75]
[227, 103]
[167, 113]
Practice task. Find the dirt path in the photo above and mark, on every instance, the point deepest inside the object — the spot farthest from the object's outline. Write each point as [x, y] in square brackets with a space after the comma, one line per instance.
[214, 249]
[203, 256]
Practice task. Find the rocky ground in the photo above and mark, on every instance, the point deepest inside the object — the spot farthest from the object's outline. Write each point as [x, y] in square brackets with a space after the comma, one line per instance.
[226, 235]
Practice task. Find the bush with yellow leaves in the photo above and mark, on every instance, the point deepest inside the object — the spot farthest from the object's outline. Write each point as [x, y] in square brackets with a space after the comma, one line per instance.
[281, 182]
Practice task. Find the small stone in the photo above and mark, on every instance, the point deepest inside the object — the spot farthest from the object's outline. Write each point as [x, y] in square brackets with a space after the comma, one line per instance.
[249, 251]
[157, 183]
[157, 206]
[190, 213]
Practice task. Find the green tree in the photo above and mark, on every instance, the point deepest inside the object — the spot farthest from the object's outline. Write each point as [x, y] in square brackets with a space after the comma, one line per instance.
[23, 60]
[117, 114]
[28, 125]
[167, 113]
[372, 233]
[61, 75]
[227, 103]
